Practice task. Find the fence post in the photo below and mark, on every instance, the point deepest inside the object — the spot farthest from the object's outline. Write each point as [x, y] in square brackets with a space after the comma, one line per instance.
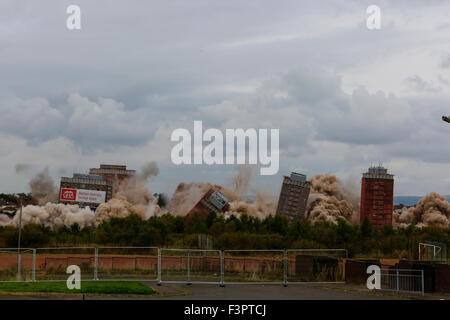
[159, 267]
[19, 265]
[33, 267]
[95, 263]
[285, 267]
[398, 287]
[423, 283]
[189, 268]
[222, 271]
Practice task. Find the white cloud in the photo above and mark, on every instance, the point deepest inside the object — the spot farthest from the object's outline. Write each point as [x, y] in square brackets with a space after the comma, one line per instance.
[106, 123]
[341, 95]
[33, 119]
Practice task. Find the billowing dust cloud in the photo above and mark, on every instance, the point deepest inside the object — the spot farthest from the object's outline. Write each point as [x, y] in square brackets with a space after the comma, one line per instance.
[241, 181]
[148, 171]
[43, 187]
[330, 200]
[22, 168]
[433, 209]
[54, 215]
[264, 205]
[130, 196]
[135, 190]
[188, 194]
[261, 208]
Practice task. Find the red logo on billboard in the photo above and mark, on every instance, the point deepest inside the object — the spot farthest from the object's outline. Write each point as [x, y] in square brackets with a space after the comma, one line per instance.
[68, 194]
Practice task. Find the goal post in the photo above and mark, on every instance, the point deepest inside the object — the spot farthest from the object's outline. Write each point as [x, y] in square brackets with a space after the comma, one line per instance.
[432, 251]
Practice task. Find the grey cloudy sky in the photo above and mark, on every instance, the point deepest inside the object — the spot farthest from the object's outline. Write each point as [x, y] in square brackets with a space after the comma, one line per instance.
[342, 96]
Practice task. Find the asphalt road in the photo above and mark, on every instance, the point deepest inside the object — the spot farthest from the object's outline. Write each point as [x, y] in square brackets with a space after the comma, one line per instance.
[235, 292]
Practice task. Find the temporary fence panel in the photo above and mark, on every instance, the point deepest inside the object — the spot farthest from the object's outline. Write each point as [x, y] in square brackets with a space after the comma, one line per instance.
[315, 265]
[402, 280]
[179, 265]
[15, 265]
[127, 263]
[253, 266]
[52, 263]
[190, 265]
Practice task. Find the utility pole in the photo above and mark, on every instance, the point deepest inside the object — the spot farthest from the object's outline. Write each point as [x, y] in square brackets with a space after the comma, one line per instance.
[18, 245]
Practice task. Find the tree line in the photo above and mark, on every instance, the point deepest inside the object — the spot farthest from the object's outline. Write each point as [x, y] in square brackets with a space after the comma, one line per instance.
[245, 232]
[16, 198]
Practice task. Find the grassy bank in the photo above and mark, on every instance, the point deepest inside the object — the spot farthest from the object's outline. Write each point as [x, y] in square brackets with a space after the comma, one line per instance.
[87, 287]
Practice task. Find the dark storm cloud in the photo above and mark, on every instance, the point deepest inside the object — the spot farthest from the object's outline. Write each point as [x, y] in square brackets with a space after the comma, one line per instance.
[136, 69]
[418, 84]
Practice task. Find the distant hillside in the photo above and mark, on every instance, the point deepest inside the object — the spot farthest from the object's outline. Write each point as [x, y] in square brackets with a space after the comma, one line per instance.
[410, 200]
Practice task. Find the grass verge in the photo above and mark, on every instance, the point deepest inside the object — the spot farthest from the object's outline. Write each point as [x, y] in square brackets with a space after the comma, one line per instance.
[87, 287]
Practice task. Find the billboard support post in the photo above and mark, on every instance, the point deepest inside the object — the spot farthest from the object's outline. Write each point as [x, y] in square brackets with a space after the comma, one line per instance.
[19, 259]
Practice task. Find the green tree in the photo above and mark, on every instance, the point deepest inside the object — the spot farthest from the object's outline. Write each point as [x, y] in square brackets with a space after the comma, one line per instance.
[195, 223]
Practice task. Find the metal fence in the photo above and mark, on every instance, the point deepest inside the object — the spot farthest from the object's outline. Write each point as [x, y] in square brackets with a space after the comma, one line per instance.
[190, 265]
[254, 266]
[51, 263]
[402, 280]
[193, 266]
[315, 265]
[17, 265]
[126, 263]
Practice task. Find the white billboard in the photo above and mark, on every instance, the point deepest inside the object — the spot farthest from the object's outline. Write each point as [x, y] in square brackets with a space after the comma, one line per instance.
[82, 195]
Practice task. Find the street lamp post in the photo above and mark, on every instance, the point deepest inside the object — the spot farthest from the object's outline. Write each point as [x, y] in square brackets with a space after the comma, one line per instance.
[18, 245]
